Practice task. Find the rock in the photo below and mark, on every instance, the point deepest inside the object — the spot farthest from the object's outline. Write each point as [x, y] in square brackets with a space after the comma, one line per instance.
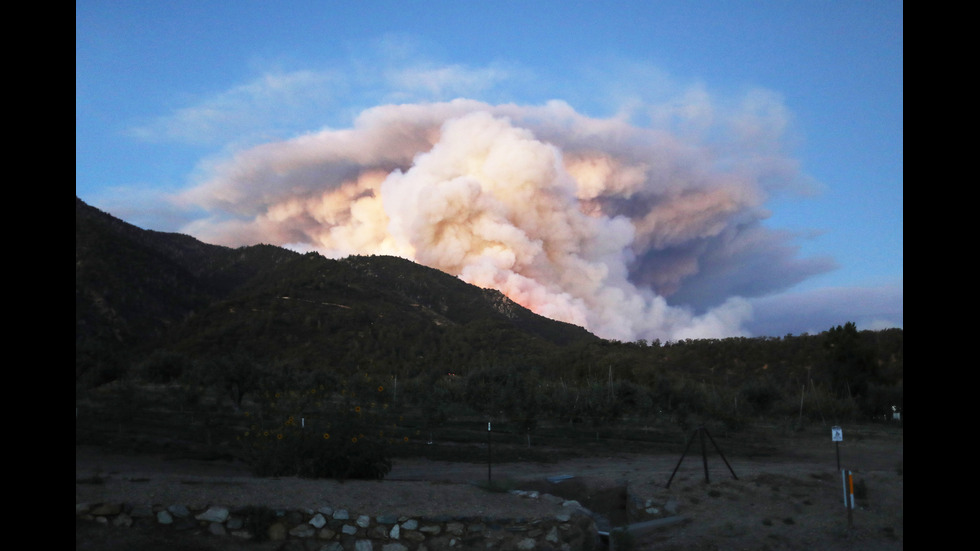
[164, 517]
[318, 521]
[141, 511]
[527, 544]
[179, 511]
[303, 531]
[299, 529]
[476, 528]
[106, 510]
[214, 514]
[277, 532]
[235, 523]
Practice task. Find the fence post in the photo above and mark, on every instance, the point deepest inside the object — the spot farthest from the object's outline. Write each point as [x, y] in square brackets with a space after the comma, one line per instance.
[489, 454]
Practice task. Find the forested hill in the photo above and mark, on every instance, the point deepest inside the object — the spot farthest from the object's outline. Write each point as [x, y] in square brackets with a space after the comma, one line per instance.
[162, 305]
[139, 291]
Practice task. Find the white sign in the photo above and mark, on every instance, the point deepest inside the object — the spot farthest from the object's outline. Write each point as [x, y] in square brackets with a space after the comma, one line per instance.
[837, 434]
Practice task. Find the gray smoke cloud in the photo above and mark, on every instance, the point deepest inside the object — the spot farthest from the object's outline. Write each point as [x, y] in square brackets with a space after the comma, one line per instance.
[632, 231]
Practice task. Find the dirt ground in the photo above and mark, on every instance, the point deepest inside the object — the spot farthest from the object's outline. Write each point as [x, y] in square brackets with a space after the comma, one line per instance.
[790, 498]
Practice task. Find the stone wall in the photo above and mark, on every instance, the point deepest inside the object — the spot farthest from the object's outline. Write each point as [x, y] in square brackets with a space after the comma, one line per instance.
[328, 529]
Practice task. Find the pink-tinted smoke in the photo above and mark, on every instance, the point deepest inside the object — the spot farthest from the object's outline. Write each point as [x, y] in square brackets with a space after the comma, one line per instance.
[592, 221]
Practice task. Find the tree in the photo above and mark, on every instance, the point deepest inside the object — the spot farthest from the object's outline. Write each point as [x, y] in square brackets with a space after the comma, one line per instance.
[851, 363]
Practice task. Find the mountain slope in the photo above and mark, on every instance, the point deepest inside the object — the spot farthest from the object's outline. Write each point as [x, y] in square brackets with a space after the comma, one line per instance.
[138, 290]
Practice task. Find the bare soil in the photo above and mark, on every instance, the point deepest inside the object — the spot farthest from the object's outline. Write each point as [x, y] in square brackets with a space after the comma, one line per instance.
[790, 497]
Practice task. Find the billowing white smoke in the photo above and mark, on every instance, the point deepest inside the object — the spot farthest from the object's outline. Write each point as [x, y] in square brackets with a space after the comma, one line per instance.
[590, 221]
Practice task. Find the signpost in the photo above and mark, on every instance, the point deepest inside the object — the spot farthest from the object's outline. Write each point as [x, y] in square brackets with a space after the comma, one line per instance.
[848, 479]
[837, 435]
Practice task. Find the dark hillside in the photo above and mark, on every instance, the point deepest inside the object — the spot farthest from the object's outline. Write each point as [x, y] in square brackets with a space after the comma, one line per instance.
[205, 332]
[138, 290]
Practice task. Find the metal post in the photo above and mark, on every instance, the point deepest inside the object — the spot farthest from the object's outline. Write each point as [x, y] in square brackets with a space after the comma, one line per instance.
[683, 455]
[715, 444]
[837, 435]
[489, 453]
[704, 456]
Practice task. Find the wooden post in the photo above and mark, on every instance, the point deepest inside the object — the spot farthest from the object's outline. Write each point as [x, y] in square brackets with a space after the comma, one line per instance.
[802, 396]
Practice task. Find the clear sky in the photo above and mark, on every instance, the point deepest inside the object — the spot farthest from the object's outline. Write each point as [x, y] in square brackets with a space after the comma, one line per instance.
[648, 169]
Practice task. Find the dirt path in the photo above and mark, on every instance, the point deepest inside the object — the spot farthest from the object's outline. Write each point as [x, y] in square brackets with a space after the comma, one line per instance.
[791, 499]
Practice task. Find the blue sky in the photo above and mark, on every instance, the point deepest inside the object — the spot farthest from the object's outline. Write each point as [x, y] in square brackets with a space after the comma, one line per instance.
[181, 106]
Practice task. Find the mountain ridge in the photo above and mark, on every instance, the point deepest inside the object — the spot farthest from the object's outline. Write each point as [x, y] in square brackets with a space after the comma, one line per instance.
[140, 290]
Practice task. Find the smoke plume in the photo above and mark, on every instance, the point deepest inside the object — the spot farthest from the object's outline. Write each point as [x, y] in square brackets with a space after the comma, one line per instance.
[629, 231]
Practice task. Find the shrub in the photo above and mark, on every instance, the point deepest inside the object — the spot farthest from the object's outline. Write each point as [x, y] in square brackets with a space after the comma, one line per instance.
[163, 366]
[761, 396]
[257, 520]
[313, 435]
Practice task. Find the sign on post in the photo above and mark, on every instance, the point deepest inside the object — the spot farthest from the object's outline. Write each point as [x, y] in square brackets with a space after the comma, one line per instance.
[837, 435]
